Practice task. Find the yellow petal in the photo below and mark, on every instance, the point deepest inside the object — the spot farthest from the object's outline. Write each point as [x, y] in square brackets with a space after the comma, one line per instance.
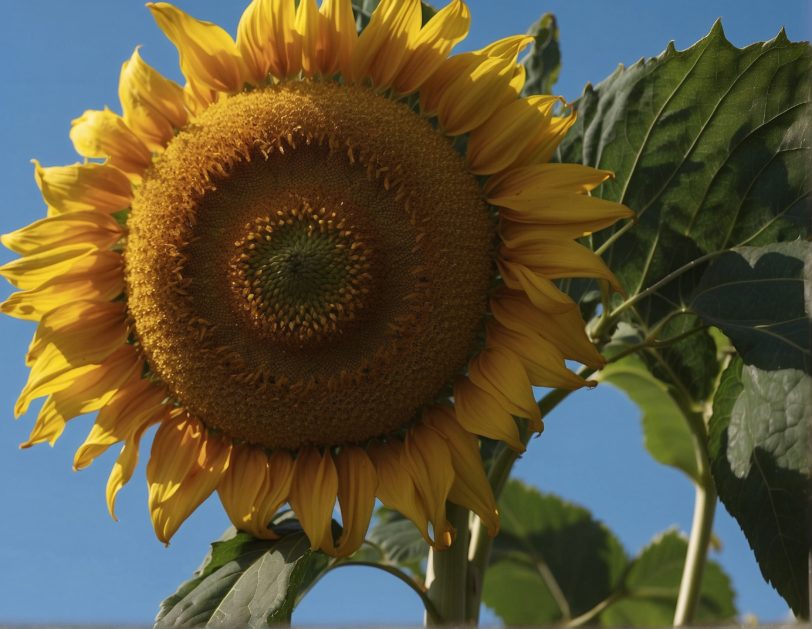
[268, 41]
[152, 105]
[471, 488]
[185, 466]
[103, 280]
[313, 496]
[339, 38]
[443, 31]
[34, 270]
[565, 330]
[470, 99]
[385, 42]
[537, 180]
[254, 487]
[557, 215]
[497, 144]
[197, 98]
[508, 47]
[480, 413]
[82, 187]
[105, 134]
[357, 484]
[396, 488]
[429, 462]
[138, 403]
[313, 36]
[548, 139]
[123, 468]
[501, 373]
[543, 361]
[544, 294]
[76, 228]
[208, 55]
[557, 258]
[52, 373]
[83, 332]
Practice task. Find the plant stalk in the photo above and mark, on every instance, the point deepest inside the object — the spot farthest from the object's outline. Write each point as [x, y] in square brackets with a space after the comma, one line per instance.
[449, 584]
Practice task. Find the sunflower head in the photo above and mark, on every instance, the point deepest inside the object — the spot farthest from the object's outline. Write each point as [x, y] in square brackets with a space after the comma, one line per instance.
[324, 267]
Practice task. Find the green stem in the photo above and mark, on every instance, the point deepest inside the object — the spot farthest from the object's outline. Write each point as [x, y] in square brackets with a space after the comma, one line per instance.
[450, 585]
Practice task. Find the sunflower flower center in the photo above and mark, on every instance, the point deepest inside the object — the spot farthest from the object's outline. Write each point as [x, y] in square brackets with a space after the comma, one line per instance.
[308, 264]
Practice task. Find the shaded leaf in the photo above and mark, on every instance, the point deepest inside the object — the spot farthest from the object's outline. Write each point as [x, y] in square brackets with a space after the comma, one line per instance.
[551, 560]
[755, 295]
[759, 446]
[543, 62]
[363, 11]
[245, 582]
[651, 586]
[396, 540]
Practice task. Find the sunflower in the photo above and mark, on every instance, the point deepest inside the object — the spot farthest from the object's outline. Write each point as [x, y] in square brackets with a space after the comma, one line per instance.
[323, 268]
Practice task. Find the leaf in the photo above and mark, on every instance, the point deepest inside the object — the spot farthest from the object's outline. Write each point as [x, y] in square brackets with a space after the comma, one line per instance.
[665, 430]
[759, 446]
[398, 541]
[651, 587]
[543, 63]
[755, 295]
[551, 561]
[710, 147]
[245, 582]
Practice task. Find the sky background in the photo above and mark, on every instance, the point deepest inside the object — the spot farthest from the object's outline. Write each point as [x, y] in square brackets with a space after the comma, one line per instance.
[63, 560]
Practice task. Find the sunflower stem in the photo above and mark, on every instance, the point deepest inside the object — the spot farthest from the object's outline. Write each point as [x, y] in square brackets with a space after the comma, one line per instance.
[448, 589]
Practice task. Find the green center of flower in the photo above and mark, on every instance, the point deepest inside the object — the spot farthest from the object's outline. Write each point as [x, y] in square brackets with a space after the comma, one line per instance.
[301, 275]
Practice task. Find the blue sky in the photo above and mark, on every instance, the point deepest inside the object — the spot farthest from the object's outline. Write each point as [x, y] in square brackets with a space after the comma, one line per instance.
[64, 560]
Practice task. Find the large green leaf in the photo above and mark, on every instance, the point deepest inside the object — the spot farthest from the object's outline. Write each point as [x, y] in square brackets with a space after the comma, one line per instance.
[651, 586]
[396, 540]
[543, 62]
[551, 561]
[245, 582]
[759, 445]
[665, 431]
[755, 295]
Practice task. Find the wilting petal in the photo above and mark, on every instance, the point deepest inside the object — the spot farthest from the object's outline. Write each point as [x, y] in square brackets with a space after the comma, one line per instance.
[481, 413]
[268, 40]
[357, 484]
[383, 45]
[565, 330]
[396, 488]
[81, 187]
[123, 468]
[208, 55]
[429, 462]
[105, 134]
[313, 496]
[498, 142]
[185, 466]
[152, 105]
[500, 372]
[471, 488]
[137, 404]
[86, 228]
[543, 292]
[432, 45]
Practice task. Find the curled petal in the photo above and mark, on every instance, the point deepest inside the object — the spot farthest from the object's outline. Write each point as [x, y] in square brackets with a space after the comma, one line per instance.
[480, 413]
[185, 466]
[542, 292]
[500, 372]
[208, 55]
[429, 462]
[268, 40]
[152, 105]
[357, 485]
[105, 134]
[313, 496]
[83, 187]
[471, 488]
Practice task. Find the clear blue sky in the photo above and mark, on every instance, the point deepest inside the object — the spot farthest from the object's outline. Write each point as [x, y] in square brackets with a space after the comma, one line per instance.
[64, 560]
